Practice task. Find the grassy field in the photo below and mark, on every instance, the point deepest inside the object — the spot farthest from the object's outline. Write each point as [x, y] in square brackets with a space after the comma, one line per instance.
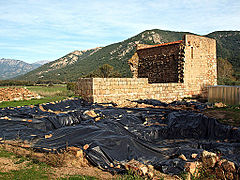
[48, 94]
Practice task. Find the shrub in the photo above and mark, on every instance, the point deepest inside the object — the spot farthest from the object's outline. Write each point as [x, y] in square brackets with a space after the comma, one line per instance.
[71, 86]
[104, 71]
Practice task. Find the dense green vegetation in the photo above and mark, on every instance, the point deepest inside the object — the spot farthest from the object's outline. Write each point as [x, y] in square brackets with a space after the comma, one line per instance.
[28, 83]
[228, 46]
[226, 73]
[104, 71]
[16, 83]
[72, 86]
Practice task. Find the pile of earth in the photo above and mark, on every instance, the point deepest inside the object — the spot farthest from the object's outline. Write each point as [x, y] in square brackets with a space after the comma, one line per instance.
[162, 136]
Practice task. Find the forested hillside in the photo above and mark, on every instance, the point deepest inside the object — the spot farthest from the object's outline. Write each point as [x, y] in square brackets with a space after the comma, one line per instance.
[228, 47]
[80, 63]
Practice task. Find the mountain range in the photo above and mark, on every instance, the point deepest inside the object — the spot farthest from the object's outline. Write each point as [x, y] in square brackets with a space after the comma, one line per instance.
[80, 63]
[10, 68]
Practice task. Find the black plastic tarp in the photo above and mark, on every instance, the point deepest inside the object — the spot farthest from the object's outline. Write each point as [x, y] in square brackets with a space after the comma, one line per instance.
[154, 136]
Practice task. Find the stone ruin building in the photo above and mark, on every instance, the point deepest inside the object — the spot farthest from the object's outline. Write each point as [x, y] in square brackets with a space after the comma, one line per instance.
[166, 72]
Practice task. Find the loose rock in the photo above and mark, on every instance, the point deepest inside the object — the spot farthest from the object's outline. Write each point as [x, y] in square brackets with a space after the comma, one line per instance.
[194, 156]
[182, 157]
[209, 159]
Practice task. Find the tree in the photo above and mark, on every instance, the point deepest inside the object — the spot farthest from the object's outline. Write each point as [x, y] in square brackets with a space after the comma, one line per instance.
[225, 71]
[104, 71]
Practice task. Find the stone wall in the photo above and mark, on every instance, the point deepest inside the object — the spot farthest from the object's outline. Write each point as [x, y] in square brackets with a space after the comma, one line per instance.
[200, 66]
[85, 88]
[166, 72]
[161, 64]
[121, 89]
[17, 94]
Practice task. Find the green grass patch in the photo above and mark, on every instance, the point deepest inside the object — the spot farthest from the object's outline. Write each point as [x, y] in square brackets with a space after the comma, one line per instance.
[21, 160]
[4, 153]
[55, 90]
[131, 175]
[26, 174]
[31, 170]
[78, 177]
[31, 102]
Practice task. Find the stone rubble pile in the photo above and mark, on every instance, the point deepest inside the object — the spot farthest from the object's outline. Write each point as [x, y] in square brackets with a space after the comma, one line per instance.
[146, 171]
[16, 94]
[212, 165]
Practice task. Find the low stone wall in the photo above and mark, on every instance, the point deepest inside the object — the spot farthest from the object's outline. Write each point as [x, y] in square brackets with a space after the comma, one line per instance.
[16, 94]
[119, 90]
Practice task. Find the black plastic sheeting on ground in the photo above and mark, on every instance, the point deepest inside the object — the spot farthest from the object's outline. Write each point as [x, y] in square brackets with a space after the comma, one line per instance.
[193, 104]
[149, 135]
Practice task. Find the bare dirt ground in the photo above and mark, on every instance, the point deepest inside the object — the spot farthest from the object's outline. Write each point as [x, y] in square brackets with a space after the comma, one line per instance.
[66, 164]
[87, 171]
[7, 165]
[226, 116]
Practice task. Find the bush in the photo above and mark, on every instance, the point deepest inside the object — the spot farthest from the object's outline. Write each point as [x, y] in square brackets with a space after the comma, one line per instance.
[105, 71]
[39, 82]
[71, 86]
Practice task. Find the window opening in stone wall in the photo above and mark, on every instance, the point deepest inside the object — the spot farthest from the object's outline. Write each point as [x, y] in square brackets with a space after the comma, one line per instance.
[192, 52]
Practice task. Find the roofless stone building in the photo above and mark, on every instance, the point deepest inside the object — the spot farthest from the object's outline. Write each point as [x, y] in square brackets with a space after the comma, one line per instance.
[167, 72]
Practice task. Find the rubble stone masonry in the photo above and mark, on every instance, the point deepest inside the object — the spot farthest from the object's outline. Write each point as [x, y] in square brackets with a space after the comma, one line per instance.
[161, 64]
[16, 94]
[166, 72]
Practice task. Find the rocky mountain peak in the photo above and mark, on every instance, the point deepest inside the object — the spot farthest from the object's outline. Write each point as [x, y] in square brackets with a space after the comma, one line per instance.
[10, 68]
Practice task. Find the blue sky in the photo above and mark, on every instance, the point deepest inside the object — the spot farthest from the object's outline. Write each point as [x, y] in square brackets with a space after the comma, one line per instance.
[33, 30]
